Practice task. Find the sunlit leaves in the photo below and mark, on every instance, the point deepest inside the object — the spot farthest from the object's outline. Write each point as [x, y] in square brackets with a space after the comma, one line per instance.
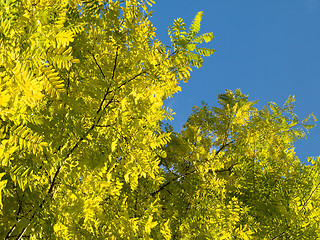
[82, 88]
[188, 41]
[83, 154]
[3, 184]
[236, 174]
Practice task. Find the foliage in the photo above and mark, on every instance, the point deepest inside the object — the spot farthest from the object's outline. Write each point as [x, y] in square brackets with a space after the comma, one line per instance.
[83, 154]
[82, 85]
[232, 173]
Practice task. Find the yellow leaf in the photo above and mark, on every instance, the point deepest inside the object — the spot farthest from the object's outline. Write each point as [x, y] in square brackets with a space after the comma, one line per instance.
[44, 144]
[4, 99]
[149, 225]
[2, 186]
[75, 61]
[114, 145]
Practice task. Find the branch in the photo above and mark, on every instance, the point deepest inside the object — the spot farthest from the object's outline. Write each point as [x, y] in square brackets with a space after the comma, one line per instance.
[11, 231]
[112, 79]
[53, 182]
[68, 83]
[306, 202]
[109, 102]
[68, 155]
[171, 181]
[226, 170]
[102, 126]
[137, 75]
[223, 147]
[304, 206]
[95, 60]
[188, 173]
[24, 229]
[145, 71]
[279, 235]
[164, 185]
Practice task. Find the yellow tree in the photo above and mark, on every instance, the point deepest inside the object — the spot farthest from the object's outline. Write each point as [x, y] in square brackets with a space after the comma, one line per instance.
[81, 92]
[232, 173]
[83, 153]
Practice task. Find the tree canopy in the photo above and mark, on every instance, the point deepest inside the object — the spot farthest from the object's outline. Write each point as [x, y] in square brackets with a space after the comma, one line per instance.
[85, 153]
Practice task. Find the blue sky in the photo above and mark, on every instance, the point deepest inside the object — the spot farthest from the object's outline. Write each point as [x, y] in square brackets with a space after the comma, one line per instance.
[269, 49]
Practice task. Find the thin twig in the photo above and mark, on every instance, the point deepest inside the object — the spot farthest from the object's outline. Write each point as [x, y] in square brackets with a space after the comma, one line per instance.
[171, 181]
[55, 179]
[95, 60]
[304, 206]
[279, 235]
[68, 83]
[306, 202]
[223, 147]
[112, 79]
[137, 75]
[53, 182]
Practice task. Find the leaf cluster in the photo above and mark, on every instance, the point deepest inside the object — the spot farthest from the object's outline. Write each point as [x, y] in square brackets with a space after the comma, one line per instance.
[83, 151]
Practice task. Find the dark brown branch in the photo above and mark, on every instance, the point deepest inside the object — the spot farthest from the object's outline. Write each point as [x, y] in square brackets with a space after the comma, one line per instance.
[95, 60]
[11, 231]
[306, 202]
[229, 169]
[68, 83]
[171, 181]
[144, 72]
[164, 186]
[68, 155]
[137, 75]
[102, 126]
[112, 79]
[109, 102]
[53, 182]
[188, 173]
[223, 147]
[279, 235]
[304, 206]
[104, 98]
[115, 64]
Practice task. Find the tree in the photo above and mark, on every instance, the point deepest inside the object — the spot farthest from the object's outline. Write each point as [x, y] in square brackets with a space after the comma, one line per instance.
[82, 86]
[83, 152]
[232, 173]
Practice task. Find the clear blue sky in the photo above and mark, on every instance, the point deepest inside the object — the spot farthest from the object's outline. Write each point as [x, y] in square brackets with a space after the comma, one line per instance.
[270, 49]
